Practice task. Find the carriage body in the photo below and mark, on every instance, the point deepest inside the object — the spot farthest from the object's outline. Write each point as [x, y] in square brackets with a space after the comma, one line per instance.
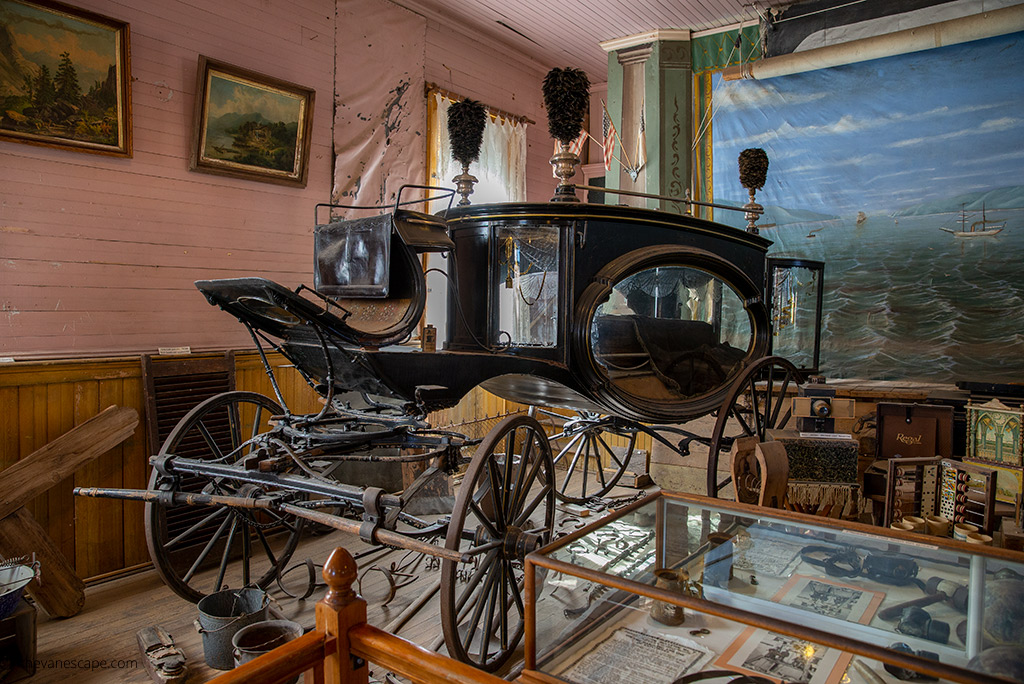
[639, 313]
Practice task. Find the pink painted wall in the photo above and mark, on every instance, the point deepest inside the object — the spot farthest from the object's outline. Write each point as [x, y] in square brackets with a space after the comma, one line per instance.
[98, 254]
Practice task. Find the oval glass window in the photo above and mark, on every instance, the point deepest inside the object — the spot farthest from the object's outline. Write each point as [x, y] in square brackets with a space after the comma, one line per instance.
[671, 332]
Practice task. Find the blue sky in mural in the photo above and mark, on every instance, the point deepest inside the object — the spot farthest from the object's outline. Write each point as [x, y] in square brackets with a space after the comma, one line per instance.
[879, 136]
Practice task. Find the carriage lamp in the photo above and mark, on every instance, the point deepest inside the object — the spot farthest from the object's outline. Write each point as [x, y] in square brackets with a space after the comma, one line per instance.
[753, 172]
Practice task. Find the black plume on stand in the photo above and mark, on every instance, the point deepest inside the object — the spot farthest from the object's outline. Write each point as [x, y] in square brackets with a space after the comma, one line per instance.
[466, 121]
[753, 173]
[567, 99]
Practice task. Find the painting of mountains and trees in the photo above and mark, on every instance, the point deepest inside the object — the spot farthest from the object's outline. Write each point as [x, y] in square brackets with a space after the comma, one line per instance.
[64, 78]
[250, 125]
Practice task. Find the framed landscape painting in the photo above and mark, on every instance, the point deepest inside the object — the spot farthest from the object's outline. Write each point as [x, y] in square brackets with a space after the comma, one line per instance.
[64, 78]
[248, 125]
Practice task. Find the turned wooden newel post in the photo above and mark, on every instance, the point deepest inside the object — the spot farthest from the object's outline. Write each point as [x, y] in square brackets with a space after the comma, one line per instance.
[340, 610]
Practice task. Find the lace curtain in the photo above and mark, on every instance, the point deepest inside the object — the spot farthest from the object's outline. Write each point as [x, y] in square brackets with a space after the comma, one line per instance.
[501, 169]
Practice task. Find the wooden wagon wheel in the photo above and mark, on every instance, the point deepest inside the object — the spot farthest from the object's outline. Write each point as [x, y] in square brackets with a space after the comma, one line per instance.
[756, 402]
[186, 542]
[586, 465]
[505, 508]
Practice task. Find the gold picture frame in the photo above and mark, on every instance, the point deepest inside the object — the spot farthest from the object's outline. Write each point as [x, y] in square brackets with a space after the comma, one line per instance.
[69, 83]
[250, 125]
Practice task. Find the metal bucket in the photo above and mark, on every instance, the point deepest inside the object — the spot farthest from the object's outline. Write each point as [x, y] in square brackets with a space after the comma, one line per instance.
[221, 615]
[254, 640]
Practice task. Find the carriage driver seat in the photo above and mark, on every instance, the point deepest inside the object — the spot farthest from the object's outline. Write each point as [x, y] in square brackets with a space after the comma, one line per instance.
[371, 268]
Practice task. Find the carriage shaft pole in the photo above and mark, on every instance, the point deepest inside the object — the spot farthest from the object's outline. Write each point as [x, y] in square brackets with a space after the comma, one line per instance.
[381, 536]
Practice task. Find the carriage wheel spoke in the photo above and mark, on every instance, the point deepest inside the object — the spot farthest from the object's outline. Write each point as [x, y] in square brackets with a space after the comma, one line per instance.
[257, 421]
[524, 491]
[224, 556]
[475, 508]
[483, 601]
[528, 511]
[497, 495]
[211, 442]
[192, 530]
[572, 442]
[266, 547]
[246, 553]
[572, 464]
[752, 395]
[473, 582]
[206, 550]
[234, 426]
[520, 476]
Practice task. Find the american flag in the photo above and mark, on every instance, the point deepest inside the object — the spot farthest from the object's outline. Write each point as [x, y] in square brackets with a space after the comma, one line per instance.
[577, 145]
[609, 140]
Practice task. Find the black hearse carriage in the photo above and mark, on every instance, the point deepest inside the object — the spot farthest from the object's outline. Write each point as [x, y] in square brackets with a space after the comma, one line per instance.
[613, 319]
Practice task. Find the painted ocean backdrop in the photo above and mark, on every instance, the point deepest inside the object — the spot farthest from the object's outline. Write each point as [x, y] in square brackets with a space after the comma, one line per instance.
[905, 299]
[906, 140]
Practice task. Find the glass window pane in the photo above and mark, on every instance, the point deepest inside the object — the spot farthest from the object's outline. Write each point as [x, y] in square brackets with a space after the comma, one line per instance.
[526, 290]
[671, 332]
[795, 313]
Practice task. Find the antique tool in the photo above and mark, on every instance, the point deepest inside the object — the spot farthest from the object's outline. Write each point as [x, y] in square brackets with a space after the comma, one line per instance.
[891, 568]
[937, 589]
[164, 661]
[918, 622]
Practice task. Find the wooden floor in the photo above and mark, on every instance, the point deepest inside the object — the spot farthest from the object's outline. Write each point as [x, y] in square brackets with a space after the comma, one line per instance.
[99, 644]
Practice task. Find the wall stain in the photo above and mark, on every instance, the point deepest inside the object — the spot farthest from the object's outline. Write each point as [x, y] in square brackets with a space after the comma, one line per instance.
[394, 111]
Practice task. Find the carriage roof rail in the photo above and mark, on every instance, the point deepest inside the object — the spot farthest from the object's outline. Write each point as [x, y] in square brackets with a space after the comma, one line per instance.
[668, 198]
[443, 192]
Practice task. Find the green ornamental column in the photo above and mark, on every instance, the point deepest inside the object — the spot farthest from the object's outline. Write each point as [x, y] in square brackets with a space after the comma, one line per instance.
[650, 87]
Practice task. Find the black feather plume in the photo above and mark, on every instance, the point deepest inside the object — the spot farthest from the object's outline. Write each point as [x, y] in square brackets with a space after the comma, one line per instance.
[753, 168]
[466, 121]
[567, 99]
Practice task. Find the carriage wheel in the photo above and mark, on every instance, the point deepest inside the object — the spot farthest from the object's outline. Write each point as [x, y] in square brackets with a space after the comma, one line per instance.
[198, 550]
[505, 508]
[582, 448]
[756, 403]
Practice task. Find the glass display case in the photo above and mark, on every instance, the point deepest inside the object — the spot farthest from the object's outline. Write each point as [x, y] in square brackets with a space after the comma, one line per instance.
[674, 588]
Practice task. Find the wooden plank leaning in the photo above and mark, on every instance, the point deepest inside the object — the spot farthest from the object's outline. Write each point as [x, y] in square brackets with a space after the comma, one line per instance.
[60, 592]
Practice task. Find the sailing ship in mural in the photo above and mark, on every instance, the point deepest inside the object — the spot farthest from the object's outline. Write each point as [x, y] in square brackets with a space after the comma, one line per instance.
[985, 227]
[861, 217]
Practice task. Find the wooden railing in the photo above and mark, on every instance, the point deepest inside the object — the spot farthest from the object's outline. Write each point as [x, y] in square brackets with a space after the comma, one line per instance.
[342, 645]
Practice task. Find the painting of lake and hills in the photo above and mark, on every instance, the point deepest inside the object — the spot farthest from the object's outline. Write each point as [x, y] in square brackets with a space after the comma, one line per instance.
[905, 175]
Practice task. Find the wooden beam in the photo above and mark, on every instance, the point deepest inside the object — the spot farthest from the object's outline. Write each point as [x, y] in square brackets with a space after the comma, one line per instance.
[59, 591]
[46, 467]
